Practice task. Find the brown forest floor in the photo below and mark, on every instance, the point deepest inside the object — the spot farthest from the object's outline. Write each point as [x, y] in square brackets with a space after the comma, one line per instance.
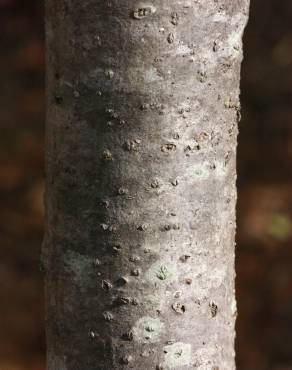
[264, 250]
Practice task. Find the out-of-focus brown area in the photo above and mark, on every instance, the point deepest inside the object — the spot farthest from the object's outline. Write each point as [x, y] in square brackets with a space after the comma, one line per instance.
[264, 251]
[21, 184]
[264, 240]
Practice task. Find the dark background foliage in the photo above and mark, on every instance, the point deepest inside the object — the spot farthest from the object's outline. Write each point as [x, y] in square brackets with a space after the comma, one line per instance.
[264, 250]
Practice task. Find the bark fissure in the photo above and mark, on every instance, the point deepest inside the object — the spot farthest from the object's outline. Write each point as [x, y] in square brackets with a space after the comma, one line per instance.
[143, 105]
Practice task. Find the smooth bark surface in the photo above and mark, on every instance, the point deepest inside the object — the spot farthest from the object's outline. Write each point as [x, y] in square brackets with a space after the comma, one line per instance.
[143, 105]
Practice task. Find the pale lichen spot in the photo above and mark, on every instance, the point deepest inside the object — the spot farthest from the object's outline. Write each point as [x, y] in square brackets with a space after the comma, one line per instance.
[78, 264]
[151, 75]
[219, 17]
[182, 50]
[233, 43]
[177, 355]
[203, 170]
[161, 271]
[147, 330]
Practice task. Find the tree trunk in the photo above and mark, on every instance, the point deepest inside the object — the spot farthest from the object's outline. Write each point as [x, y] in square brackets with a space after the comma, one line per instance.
[141, 166]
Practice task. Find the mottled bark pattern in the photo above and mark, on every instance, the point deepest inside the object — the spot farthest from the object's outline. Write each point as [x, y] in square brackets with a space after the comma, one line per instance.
[143, 104]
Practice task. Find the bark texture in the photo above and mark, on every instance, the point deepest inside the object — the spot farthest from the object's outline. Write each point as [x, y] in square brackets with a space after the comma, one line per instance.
[143, 105]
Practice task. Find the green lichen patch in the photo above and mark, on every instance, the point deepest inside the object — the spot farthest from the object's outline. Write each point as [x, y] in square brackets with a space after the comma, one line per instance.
[78, 265]
[148, 330]
[177, 355]
[161, 271]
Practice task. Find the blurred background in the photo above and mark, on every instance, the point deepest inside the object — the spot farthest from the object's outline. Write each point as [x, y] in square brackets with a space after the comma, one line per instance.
[264, 250]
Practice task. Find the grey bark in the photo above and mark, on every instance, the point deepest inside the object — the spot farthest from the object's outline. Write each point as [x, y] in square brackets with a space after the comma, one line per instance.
[142, 112]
